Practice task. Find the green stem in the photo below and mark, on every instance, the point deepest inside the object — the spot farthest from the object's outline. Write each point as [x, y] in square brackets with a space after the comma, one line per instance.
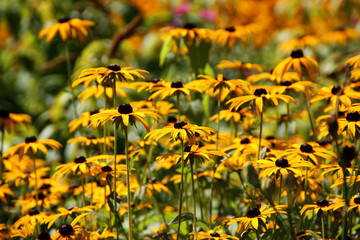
[115, 179]
[199, 195]
[310, 118]
[178, 105]
[128, 169]
[193, 192]
[36, 183]
[287, 124]
[306, 185]
[323, 225]
[260, 134]
[1, 151]
[68, 68]
[291, 228]
[181, 187]
[83, 198]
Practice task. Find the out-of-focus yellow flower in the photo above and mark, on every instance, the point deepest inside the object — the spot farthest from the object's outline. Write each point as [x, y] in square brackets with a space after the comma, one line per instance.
[67, 28]
[9, 120]
[189, 32]
[239, 65]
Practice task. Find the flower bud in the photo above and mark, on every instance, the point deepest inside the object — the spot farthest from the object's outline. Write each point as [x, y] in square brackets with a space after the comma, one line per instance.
[268, 186]
[250, 174]
[290, 181]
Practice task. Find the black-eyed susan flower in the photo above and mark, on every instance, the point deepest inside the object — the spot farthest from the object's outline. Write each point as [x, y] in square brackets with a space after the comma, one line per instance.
[340, 35]
[235, 114]
[354, 61]
[149, 85]
[103, 170]
[308, 151]
[33, 144]
[32, 218]
[354, 203]
[288, 76]
[322, 205]
[80, 164]
[9, 120]
[281, 166]
[305, 40]
[299, 86]
[258, 96]
[67, 28]
[255, 217]
[70, 231]
[156, 186]
[91, 140]
[124, 116]
[24, 232]
[100, 90]
[229, 36]
[169, 89]
[336, 95]
[239, 65]
[83, 120]
[297, 60]
[180, 130]
[211, 234]
[107, 74]
[351, 123]
[73, 212]
[189, 32]
[105, 234]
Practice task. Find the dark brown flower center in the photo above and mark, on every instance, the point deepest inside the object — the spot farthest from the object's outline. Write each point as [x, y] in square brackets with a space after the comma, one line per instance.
[348, 153]
[70, 208]
[95, 111]
[230, 29]
[91, 137]
[187, 148]
[245, 141]
[306, 148]
[41, 196]
[125, 108]
[177, 84]
[66, 230]
[172, 119]
[80, 159]
[45, 186]
[30, 139]
[282, 162]
[297, 53]
[106, 169]
[63, 19]
[179, 124]
[353, 117]
[285, 83]
[4, 114]
[44, 236]
[260, 91]
[189, 26]
[33, 212]
[322, 203]
[155, 80]
[357, 200]
[114, 67]
[335, 90]
[253, 212]
[214, 234]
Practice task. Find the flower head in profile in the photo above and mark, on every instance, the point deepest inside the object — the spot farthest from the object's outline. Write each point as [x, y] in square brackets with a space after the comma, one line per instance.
[107, 75]
[297, 61]
[236, 114]
[189, 31]
[91, 140]
[180, 130]
[5, 190]
[67, 28]
[124, 116]
[32, 218]
[322, 205]
[98, 91]
[211, 234]
[34, 145]
[80, 164]
[229, 36]
[73, 212]
[83, 120]
[258, 96]
[239, 65]
[351, 123]
[9, 120]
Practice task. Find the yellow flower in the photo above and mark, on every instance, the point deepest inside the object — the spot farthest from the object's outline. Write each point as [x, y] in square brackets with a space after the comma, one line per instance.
[340, 35]
[300, 86]
[9, 120]
[74, 212]
[307, 40]
[288, 76]
[351, 123]
[354, 203]
[189, 32]
[103, 170]
[354, 61]
[31, 143]
[91, 140]
[24, 232]
[70, 231]
[80, 163]
[107, 75]
[106, 234]
[83, 120]
[321, 205]
[67, 28]
[180, 130]
[235, 114]
[5, 190]
[297, 60]
[99, 90]
[149, 86]
[32, 218]
[258, 97]
[239, 65]
[124, 115]
[229, 36]
[211, 234]
[169, 89]
[281, 166]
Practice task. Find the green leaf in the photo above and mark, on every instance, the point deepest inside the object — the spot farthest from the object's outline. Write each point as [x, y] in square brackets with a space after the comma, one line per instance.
[185, 216]
[203, 226]
[101, 216]
[206, 108]
[263, 153]
[208, 70]
[165, 49]
[315, 235]
[132, 160]
[110, 200]
[199, 56]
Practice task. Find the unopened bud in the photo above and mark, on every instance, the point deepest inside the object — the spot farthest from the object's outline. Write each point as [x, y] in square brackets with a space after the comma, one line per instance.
[250, 174]
[268, 186]
[290, 181]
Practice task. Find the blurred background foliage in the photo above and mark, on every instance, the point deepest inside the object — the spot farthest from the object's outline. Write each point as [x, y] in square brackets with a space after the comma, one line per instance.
[33, 73]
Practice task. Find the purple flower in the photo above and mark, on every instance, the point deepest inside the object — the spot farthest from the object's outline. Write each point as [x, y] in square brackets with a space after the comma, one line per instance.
[207, 15]
[182, 9]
